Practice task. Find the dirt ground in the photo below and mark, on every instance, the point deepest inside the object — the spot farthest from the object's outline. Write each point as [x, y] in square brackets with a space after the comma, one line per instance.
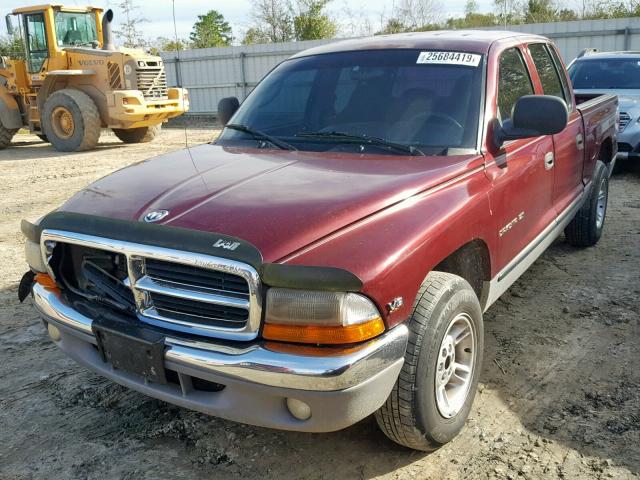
[559, 398]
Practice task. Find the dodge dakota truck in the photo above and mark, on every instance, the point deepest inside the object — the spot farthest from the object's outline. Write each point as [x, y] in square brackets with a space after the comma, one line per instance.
[331, 254]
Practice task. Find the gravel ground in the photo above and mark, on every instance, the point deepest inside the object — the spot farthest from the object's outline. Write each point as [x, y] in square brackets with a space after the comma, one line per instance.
[559, 398]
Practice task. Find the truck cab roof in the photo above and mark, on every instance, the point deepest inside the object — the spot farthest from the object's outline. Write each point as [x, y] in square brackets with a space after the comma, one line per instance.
[475, 41]
[55, 6]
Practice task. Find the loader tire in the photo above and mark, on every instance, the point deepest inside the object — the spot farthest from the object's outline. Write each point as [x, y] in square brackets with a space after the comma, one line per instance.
[71, 121]
[433, 394]
[6, 135]
[43, 138]
[137, 135]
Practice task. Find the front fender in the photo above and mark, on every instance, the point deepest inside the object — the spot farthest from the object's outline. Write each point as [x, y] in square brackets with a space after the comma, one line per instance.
[393, 250]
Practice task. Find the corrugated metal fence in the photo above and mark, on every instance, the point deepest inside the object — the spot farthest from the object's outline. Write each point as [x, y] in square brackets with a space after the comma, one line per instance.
[214, 73]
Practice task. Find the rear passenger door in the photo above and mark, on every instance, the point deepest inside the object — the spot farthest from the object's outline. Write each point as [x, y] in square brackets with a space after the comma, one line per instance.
[568, 144]
[522, 185]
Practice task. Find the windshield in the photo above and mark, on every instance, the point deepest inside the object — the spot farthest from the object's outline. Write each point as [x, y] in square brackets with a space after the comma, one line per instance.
[382, 94]
[606, 73]
[75, 28]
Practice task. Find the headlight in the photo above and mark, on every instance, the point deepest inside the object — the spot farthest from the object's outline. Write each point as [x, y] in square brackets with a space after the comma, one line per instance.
[303, 316]
[33, 256]
[32, 251]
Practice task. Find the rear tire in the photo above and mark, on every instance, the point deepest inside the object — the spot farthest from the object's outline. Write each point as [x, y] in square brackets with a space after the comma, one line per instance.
[432, 397]
[71, 121]
[138, 135]
[586, 227]
[6, 135]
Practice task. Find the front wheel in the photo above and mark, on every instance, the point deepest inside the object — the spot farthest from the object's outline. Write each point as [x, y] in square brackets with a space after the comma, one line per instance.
[137, 135]
[586, 227]
[434, 392]
[71, 121]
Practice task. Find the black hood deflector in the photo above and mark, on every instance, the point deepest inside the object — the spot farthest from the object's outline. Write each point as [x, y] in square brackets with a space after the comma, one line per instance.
[196, 241]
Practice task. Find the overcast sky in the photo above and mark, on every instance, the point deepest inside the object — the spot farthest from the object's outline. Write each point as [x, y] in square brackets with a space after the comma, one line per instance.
[237, 12]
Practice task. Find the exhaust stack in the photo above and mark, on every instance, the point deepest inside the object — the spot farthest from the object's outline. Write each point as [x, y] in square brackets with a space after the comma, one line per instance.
[107, 34]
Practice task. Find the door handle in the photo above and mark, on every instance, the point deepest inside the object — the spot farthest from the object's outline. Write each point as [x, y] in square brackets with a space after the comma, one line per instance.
[548, 160]
[579, 141]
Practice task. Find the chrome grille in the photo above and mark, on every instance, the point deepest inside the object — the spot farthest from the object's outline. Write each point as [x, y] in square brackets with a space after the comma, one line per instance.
[186, 310]
[624, 121]
[152, 81]
[188, 292]
[185, 275]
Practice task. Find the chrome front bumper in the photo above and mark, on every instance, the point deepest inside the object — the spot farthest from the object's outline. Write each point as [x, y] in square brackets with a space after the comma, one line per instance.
[341, 386]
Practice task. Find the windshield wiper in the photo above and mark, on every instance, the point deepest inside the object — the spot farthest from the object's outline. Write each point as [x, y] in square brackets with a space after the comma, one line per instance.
[259, 135]
[376, 141]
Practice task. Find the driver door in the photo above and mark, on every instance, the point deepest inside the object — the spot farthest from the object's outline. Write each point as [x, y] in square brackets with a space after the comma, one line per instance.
[523, 183]
[37, 47]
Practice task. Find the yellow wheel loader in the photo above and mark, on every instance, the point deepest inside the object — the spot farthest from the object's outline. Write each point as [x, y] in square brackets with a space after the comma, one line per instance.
[73, 81]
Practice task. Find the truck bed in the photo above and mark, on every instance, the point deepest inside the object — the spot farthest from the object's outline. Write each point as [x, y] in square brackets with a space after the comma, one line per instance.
[599, 116]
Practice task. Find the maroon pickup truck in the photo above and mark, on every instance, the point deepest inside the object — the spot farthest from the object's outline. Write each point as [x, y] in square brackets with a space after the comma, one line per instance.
[331, 254]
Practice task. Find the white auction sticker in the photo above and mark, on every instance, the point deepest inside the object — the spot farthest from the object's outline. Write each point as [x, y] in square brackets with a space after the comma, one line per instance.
[450, 58]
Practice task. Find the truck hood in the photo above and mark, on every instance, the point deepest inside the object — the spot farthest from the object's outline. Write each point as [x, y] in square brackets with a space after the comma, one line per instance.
[280, 201]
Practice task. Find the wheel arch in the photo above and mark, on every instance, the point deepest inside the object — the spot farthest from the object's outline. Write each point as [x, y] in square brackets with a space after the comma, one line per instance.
[471, 261]
[606, 151]
[78, 80]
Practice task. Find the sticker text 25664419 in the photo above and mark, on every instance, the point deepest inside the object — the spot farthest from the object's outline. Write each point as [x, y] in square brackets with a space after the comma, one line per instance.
[450, 58]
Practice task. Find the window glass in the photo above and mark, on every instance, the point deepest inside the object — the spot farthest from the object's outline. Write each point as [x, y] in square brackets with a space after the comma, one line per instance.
[287, 100]
[606, 73]
[563, 77]
[386, 94]
[513, 82]
[75, 28]
[546, 70]
[36, 41]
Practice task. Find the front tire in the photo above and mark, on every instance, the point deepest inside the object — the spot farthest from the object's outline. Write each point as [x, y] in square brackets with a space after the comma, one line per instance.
[586, 227]
[6, 135]
[138, 135]
[71, 121]
[434, 392]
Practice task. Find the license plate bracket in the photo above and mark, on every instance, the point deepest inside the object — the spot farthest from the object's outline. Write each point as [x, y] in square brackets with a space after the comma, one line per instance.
[131, 348]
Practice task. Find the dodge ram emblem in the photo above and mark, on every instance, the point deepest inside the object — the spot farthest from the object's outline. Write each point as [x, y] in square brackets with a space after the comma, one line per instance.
[155, 216]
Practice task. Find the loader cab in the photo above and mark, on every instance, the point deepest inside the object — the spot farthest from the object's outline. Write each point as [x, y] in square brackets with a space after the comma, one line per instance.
[48, 30]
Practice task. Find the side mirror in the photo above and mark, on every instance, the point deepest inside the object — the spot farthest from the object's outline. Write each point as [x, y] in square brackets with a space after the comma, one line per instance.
[533, 116]
[226, 108]
[10, 29]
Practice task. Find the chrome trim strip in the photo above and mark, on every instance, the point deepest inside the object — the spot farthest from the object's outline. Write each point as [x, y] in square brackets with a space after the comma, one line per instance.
[493, 289]
[337, 370]
[135, 254]
[153, 317]
[149, 284]
[153, 312]
[199, 288]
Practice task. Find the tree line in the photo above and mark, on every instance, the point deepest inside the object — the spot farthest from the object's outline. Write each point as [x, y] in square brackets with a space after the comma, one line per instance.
[274, 21]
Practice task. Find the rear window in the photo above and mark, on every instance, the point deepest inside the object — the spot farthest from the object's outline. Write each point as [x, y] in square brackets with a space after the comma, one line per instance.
[546, 70]
[606, 73]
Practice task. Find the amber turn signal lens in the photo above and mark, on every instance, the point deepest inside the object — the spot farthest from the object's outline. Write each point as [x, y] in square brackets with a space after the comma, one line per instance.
[46, 281]
[324, 335]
